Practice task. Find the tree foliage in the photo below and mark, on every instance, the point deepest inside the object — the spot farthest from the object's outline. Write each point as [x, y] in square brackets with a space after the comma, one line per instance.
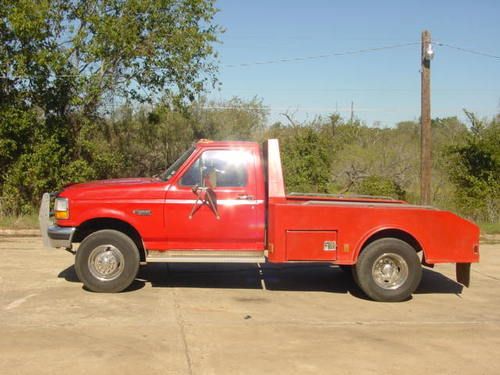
[93, 89]
[305, 157]
[64, 65]
[475, 170]
[380, 186]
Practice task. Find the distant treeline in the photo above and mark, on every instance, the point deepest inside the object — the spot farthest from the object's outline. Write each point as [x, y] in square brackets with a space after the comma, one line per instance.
[326, 155]
[63, 65]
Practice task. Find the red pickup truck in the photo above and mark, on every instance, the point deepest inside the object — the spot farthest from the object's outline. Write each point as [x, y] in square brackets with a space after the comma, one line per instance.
[226, 202]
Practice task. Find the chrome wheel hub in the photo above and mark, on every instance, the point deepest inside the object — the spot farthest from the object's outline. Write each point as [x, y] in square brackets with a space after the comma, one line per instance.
[390, 271]
[106, 262]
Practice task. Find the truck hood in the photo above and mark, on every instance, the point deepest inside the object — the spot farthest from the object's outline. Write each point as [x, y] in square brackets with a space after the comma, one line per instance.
[110, 182]
[112, 189]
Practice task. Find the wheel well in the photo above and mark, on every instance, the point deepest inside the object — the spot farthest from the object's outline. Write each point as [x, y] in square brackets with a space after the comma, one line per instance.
[394, 233]
[93, 225]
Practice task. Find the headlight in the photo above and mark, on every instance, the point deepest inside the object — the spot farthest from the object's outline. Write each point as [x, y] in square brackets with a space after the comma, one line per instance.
[61, 208]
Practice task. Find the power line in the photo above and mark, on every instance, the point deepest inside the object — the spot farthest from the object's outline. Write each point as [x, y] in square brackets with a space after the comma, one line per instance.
[267, 62]
[316, 57]
[474, 52]
[356, 52]
[331, 109]
[371, 89]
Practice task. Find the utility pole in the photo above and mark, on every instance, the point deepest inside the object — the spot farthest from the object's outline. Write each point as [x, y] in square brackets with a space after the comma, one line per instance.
[352, 111]
[425, 119]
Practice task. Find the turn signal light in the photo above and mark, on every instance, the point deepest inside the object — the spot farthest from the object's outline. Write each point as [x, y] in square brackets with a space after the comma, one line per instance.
[61, 209]
[61, 215]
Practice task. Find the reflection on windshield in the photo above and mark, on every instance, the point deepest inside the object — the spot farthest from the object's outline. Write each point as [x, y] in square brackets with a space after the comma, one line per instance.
[173, 168]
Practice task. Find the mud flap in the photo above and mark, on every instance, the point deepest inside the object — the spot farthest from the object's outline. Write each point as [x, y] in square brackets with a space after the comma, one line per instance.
[463, 274]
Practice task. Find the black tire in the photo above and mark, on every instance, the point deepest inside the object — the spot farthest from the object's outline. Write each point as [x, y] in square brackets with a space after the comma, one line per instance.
[388, 270]
[354, 274]
[107, 261]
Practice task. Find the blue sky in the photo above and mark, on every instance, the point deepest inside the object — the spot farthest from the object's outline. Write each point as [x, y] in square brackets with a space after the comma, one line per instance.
[384, 85]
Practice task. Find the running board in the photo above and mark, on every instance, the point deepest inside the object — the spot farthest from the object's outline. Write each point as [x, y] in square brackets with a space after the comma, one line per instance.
[206, 256]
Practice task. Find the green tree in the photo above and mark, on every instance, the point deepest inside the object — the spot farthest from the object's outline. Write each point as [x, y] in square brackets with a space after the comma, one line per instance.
[446, 133]
[475, 170]
[150, 138]
[380, 186]
[364, 152]
[63, 64]
[233, 119]
[306, 156]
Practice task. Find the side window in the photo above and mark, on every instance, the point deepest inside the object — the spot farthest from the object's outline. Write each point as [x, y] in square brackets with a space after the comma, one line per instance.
[218, 168]
[193, 175]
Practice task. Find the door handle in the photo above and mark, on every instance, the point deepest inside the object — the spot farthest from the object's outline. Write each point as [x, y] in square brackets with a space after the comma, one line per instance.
[245, 197]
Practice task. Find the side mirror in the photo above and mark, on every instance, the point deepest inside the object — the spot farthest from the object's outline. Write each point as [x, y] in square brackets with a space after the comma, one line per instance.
[204, 196]
[209, 177]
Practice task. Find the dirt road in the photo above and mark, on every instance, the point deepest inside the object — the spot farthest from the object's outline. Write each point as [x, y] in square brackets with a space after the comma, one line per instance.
[241, 319]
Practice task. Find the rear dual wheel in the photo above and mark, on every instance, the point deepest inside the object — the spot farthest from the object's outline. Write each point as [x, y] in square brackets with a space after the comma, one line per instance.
[388, 270]
[107, 261]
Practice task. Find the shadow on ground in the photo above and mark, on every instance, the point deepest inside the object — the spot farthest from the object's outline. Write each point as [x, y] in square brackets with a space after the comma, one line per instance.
[315, 277]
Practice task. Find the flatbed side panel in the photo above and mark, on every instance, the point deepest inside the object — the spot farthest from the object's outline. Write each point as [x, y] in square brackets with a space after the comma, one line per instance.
[311, 245]
[454, 240]
[443, 236]
[276, 239]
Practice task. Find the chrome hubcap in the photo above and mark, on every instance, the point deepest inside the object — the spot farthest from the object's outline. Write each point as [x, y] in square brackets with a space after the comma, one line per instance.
[390, 271]
[106, 262]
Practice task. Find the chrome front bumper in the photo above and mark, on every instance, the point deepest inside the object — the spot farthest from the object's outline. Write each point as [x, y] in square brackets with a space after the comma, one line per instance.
[53, 235]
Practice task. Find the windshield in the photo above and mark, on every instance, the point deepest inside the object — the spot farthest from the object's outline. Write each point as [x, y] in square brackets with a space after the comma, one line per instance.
[175, 166]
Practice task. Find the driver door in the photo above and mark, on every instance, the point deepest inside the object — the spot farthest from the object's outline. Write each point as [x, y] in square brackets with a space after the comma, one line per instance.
[227, 177]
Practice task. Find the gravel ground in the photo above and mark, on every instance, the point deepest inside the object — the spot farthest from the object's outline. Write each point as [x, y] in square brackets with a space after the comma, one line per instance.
[241, 319]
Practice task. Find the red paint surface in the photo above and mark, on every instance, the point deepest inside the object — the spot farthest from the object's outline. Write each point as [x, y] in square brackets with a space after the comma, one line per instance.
[443, 236]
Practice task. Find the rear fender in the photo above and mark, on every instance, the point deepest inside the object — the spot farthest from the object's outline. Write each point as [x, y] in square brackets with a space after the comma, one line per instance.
[386, 232]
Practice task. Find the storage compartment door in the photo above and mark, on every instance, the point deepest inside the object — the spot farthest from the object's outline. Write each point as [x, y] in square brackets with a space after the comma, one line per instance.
[311, 245]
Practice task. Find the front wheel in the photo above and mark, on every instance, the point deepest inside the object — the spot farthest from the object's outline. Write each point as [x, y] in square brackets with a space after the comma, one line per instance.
[388, 270]
[107, 261]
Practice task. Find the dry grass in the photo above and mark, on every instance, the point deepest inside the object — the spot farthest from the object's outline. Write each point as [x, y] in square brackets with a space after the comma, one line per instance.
[19, 222]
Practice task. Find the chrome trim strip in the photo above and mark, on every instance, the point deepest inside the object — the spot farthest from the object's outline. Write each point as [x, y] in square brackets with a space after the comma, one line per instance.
[206, 256]
[221, 202]
[206, 260]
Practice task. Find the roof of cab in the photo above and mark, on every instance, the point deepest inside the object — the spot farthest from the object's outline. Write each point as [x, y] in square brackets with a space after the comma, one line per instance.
[210, 143]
